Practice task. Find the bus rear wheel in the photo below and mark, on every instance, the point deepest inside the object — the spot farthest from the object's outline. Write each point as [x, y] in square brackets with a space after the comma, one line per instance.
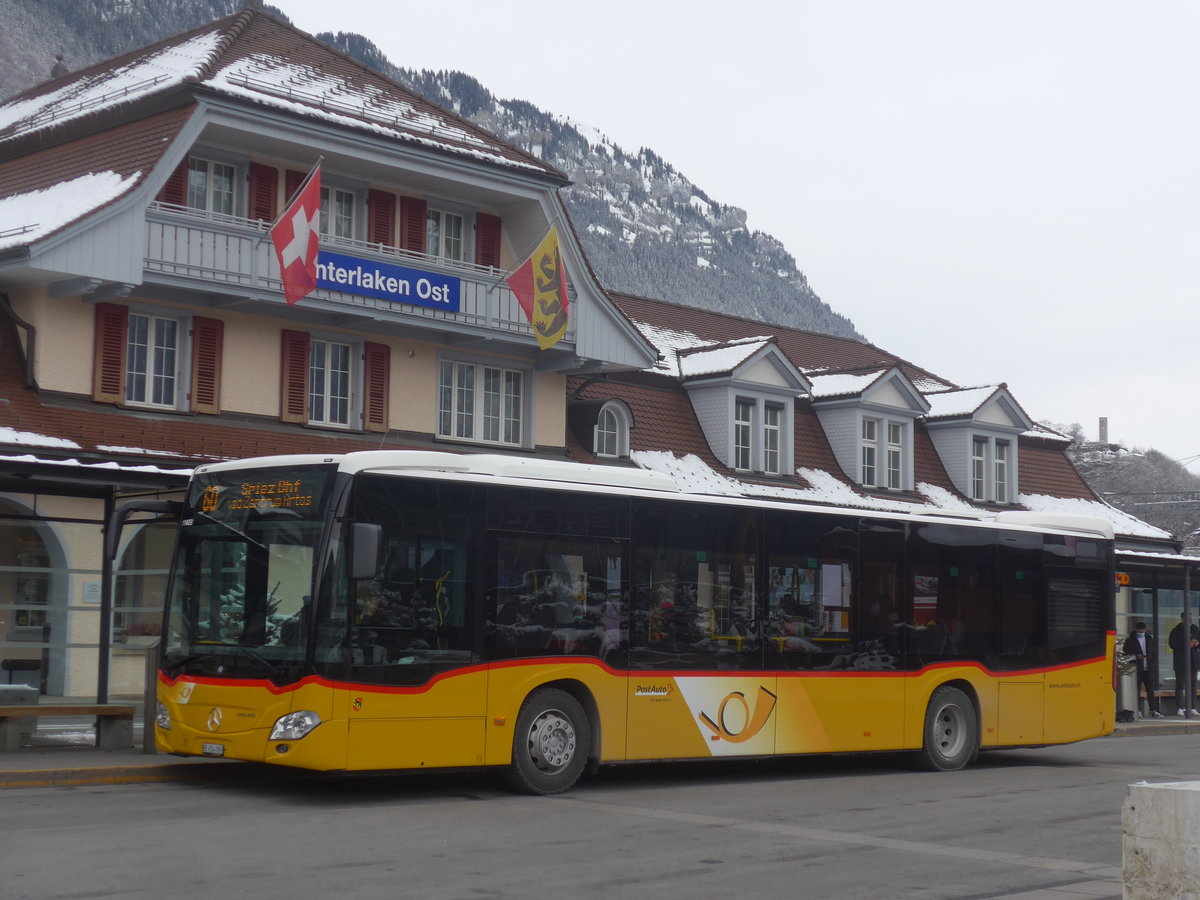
[550, 747]
[951, 731]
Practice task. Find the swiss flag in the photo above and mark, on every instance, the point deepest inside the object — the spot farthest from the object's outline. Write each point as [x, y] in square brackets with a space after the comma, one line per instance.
[295, 238]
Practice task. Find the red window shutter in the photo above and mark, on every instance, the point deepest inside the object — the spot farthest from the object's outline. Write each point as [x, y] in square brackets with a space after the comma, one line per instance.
[487, 240]
[376, 377]
[293, 405]
[264, 186]
[175, 190]
[208, 339]
[291, 183]
[108, 369]
[381, 207]
[412, 224]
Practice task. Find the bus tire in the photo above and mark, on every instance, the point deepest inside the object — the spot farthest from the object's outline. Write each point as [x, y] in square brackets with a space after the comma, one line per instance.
[951, 735]
[551, 743]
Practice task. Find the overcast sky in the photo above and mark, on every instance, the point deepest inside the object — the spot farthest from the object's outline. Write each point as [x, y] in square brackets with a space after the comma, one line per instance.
[996, 192]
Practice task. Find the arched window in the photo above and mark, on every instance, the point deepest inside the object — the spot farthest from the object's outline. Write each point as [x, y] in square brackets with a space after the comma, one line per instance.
[611, 438]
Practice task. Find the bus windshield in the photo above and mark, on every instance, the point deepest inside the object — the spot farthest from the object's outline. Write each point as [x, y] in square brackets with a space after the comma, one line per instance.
[243, 574]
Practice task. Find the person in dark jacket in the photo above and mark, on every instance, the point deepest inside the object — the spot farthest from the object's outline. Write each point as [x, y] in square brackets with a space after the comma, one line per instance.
[1185, 648]
[1143, 649]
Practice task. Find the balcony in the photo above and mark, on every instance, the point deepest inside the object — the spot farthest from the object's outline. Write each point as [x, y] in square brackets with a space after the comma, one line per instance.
[227, 255]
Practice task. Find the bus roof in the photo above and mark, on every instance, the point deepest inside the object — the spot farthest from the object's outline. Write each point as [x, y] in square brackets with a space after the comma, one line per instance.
[584, 476]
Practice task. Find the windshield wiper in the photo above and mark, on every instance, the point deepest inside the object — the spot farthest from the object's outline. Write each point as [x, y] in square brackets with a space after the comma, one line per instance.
[178, 664]
[245, 537]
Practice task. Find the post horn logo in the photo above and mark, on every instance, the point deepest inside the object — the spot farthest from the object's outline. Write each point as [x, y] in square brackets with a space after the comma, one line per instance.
[754, 722]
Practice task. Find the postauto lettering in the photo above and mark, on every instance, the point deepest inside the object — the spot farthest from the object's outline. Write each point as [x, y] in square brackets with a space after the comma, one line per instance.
[384, 281]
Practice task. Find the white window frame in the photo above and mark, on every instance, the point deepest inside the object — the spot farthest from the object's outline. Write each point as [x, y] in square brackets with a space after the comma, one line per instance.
[760, 434]
[206, 203]
[339, 227]
[1000, 470]
[437, 217]
[772, 440]
[895, 455]
[610, 437]
[885, 463]
[468, 411]
[325, 390]
[743, 434]
[869, 452]
[979, 468]
[157, 369]
[993, 468]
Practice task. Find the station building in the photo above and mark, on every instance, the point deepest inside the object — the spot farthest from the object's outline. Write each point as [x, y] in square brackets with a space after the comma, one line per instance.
[144, 330]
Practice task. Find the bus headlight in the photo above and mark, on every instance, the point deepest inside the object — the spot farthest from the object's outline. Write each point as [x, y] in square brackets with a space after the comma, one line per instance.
[295, 725]
[162, 718]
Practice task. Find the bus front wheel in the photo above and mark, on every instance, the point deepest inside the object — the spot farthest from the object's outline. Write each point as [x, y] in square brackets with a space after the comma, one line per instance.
[951, 730]
[550, 747]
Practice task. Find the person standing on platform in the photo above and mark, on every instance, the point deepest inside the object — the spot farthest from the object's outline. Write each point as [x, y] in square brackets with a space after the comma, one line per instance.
[1143, 648]
[1185, 649]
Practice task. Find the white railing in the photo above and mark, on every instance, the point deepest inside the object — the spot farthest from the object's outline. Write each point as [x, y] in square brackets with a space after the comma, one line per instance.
[215, 250]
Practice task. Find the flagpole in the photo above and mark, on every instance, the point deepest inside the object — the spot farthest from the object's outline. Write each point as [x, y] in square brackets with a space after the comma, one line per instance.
[296, 193]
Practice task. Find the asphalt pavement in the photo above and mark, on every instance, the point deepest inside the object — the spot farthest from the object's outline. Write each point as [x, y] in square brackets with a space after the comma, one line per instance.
[77, 763]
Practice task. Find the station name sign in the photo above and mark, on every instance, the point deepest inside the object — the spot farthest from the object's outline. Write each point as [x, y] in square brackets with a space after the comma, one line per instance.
[384, 281]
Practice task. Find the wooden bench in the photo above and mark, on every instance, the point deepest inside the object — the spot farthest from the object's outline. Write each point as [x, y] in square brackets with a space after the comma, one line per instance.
[114, 722]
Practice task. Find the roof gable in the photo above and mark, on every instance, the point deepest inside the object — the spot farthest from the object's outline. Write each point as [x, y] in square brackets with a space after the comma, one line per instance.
[990, 406]
[254, 57]
[881, 387]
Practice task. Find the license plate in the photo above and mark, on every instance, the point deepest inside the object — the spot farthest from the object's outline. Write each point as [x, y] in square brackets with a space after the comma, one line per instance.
[212, 749]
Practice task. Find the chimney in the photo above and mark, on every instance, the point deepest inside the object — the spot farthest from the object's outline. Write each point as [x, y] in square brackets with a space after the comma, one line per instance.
[1104, 429]
[59, 69]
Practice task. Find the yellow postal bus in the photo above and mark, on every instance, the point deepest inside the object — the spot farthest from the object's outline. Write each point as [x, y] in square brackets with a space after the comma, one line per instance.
[420, 610]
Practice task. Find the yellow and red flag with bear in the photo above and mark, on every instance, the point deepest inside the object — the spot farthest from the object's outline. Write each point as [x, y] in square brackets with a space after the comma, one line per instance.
[541, 288]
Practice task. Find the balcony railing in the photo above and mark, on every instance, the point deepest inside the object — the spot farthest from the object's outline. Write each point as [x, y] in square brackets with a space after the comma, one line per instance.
[232, 254]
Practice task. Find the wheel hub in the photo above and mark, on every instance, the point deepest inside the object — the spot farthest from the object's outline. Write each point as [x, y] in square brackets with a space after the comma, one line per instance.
[551, 741]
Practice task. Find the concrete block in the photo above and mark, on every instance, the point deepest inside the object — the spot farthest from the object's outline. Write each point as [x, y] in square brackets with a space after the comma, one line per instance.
[1161, 846]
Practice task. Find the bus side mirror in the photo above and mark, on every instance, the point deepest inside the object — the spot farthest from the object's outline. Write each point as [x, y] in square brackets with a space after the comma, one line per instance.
[365, 540]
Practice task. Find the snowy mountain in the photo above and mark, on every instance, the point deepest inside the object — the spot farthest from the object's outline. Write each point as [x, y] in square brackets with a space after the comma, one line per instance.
[646, 229]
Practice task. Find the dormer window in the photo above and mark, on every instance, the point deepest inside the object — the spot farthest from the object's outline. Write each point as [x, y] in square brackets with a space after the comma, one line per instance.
[611, 436]
[758, 429]
[975, 432]
[883, 454]
[990, 469]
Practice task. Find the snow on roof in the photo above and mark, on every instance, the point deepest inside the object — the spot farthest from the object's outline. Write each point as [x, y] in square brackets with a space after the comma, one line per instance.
[1123, 523]
[108, 87]
[26, 217]
[669, 343]
[846, 383]
[958, 403]
[1134, 555]
[104, 466]
[694, 476]
[306, 90]
[29, 439]
[721, 358]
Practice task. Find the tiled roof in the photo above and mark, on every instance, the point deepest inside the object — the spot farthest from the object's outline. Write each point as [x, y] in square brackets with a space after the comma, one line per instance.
[129, 151]
[254, 57]
[1050, 471]
[809, 351]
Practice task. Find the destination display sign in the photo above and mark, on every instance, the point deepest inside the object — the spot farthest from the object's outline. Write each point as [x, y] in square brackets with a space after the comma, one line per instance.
[301, 490]
[398, 284]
